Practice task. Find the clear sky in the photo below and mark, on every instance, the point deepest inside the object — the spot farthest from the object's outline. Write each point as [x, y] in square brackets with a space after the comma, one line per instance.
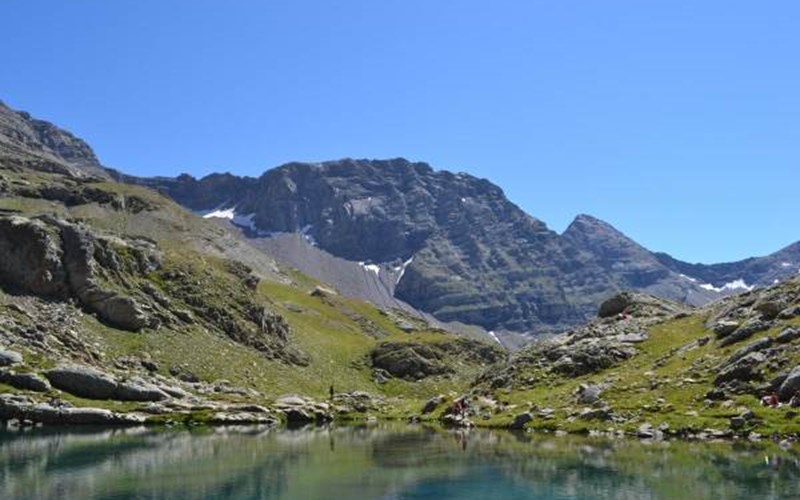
[676, 121]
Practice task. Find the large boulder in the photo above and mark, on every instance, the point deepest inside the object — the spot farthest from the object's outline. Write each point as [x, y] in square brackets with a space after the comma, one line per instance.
[723, 328]
[14, 406]
[299, 411]
[8, 358]
[589, 393]
[745, 331]
[743, 369]
[25, 381]
[791, 385]
[82, 381]
[359, 401]
[79, 249]
[788, 335]
[24, 408]
[769, 308]
[639, 305]
[615, 305]
[48, 414]
[432, 404]
[409, 360]
[604, 414]
[589, 356]
[138, 390]
[520, 421]
[89, 383]
[31, 260]
[756, 346]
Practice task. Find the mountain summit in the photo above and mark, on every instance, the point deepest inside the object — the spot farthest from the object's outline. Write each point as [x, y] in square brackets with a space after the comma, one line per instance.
[467, 253]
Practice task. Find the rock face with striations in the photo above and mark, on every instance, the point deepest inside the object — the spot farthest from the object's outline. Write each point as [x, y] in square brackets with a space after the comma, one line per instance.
[54, 258]
[468, 253]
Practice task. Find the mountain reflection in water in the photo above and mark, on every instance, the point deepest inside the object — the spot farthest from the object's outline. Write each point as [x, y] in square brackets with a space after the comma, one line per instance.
[396, 462]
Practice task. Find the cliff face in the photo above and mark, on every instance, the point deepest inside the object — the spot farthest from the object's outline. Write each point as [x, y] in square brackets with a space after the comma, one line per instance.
[466, 252]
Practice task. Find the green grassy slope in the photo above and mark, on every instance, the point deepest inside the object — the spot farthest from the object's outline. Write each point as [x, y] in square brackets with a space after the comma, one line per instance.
[335, 334]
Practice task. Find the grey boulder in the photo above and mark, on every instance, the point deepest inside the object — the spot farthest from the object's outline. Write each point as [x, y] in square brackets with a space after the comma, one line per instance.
[82, 381]
[8, 358]
[791, 385]
[745, 331]
[520, 421]
[93, 384]
[743, 369]
[25, 381]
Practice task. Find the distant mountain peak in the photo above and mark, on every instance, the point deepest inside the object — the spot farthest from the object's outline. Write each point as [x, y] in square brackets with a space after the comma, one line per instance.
[585, 222]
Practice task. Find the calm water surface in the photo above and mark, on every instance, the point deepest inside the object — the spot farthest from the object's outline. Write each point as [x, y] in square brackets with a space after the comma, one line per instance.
[380, 462]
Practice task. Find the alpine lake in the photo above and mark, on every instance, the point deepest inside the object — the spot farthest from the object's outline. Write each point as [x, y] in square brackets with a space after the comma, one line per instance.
[381, 462]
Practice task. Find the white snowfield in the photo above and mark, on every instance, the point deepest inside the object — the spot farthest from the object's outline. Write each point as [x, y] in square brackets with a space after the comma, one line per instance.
[373, 268]
[728, 287]
[241, 220]
[221, 213]
[247, 221]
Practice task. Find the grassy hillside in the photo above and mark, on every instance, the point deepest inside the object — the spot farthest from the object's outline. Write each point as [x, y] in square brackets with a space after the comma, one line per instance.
[223, 313]
[672, 381]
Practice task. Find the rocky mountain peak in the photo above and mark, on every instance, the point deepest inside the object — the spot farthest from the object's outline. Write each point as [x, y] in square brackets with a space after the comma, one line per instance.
[21, 133]
[583, 222]
[591, 229]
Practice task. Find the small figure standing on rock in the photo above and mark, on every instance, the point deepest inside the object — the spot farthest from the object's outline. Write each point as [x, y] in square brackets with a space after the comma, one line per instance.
[330, 391]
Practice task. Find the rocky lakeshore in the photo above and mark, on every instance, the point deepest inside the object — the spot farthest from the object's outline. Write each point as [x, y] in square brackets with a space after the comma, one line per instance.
[714, 381]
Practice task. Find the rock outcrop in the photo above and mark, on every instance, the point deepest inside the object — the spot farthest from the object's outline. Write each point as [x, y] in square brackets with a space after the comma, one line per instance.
[54, 258]
[93, 384]
[416, 361]
[8, 358]
[609, 340]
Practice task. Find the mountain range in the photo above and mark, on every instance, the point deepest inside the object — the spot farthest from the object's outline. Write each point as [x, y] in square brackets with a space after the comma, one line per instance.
[446, 245]
[454, 246]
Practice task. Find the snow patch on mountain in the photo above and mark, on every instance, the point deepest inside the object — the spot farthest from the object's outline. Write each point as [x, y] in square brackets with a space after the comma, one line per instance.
[221, 213]
[739, 284]
[246, 221]
[373, 268]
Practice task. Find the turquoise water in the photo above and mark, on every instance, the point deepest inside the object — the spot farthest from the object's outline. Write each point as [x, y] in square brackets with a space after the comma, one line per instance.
[382, 463]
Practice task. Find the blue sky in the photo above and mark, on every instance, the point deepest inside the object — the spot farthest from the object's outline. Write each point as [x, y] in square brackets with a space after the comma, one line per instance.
[676, 121]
